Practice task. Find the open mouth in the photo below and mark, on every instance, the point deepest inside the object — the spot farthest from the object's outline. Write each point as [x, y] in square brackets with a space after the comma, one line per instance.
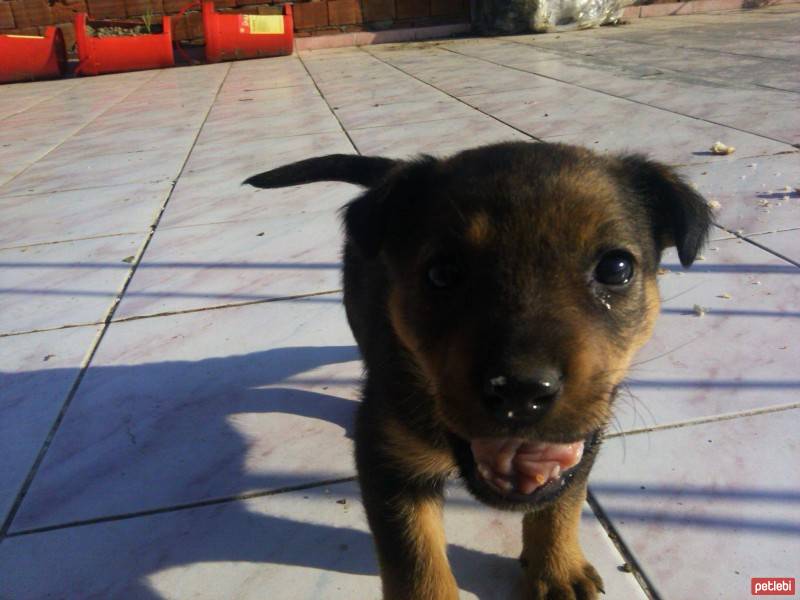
[510, 471]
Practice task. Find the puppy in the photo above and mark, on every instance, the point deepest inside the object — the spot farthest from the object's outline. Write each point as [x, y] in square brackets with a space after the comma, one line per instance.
[497, 298]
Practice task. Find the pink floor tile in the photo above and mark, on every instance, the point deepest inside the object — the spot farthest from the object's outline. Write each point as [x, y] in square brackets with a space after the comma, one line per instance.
[707, 507]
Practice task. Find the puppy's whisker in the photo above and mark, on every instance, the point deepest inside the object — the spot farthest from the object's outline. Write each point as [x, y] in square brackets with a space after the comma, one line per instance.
[634, 401]
[667, 353]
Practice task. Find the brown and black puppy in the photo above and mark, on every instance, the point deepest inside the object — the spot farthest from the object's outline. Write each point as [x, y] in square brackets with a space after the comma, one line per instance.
[497, 298]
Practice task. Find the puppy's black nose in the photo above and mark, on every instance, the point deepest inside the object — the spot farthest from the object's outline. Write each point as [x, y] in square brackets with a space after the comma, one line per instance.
[523, 398]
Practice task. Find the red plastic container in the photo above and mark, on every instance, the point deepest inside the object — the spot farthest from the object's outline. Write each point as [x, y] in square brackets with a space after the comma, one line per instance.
[28, 57]
[235, 36]
[124, 53]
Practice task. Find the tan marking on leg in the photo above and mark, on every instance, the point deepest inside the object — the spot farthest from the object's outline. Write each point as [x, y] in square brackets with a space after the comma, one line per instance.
[550, 537]
[551, 554]
[432, 578]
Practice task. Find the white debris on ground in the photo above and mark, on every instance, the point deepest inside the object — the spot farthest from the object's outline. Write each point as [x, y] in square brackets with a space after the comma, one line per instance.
[720, 148]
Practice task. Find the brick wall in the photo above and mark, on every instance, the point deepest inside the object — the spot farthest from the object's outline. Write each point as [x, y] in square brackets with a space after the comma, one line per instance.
[312, 17]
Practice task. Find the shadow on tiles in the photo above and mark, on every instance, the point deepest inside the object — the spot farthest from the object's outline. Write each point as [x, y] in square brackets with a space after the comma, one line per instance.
[119, 553]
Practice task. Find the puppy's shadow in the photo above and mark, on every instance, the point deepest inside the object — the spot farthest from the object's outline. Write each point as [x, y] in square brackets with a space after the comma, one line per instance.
[280, 546]
[184, 408]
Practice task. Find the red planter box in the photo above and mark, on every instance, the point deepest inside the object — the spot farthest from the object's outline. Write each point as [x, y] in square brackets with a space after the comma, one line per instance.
[124, 53]
[235, 36]
[28, 57]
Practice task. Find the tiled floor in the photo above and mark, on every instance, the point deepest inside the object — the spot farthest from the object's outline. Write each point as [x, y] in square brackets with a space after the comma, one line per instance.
[177, 379]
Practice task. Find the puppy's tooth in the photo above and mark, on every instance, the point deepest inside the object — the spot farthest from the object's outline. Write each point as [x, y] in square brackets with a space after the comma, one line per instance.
[506, 455]
[554, 474]
[485, 472]
[579, 452]
[535, 468]
[503, 484]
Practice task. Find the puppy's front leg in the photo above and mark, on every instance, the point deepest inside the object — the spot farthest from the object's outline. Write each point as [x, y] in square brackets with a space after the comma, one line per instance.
[402, 484]
[409, 537]
[551, 553]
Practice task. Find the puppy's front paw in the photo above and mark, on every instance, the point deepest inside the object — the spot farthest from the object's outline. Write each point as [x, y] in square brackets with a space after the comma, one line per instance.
[580, 582]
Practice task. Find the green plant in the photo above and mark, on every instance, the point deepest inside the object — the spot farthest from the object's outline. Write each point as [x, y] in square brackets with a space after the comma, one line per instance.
[147, 19]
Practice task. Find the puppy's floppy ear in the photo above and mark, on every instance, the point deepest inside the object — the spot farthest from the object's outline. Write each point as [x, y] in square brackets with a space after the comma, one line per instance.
[681, 217]
[368, 218]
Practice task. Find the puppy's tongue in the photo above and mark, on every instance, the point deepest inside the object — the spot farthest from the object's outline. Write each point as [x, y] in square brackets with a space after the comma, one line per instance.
[513, 464]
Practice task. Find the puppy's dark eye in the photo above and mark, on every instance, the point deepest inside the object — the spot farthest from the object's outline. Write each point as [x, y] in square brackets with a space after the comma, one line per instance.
[443, 275]
[614, 268]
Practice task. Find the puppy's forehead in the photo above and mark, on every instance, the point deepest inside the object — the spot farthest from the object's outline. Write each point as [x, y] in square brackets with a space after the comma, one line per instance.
[583, 206]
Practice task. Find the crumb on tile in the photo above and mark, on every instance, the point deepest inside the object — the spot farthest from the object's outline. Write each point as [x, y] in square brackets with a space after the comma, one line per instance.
[720, 148]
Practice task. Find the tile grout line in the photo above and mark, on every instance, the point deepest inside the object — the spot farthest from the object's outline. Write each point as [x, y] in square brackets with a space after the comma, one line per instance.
[283, 137]
[93, 348]
[170, 313]
[105, 185]
[328, 104]
[13, 195]
[224, 306]
[368, 127]
[593, 502]
[449, 95]
[38, 102]
[23, 490]
[562, 54]
[709, 419]
[776, 89]
[606, 93]
[185, 506]
[762, 246]
[668, 47]
[646, 585]
[47, 329]
[730, 234]
[72, 240]
[636, 569]
[663, 46]
[79, 129]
